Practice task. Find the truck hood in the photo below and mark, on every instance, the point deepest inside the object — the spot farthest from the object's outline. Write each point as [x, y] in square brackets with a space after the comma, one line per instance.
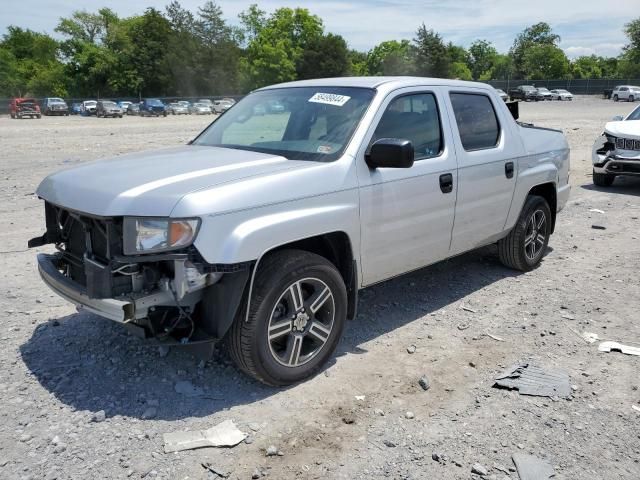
[152, 183]
[625, 128]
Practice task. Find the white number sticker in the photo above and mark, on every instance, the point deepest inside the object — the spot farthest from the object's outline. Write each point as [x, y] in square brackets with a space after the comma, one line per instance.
[330, 99]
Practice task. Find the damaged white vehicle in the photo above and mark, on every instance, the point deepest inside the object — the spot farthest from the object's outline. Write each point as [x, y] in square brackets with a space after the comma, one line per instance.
[617, 151]
[262, 230]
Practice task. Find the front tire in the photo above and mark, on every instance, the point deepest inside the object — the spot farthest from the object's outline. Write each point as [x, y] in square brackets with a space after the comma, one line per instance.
[527, 242]
[297, 314]
[615, 98]
[603, 179]
[631, 98]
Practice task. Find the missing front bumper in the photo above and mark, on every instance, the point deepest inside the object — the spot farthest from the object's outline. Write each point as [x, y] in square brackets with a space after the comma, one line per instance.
[119, 310]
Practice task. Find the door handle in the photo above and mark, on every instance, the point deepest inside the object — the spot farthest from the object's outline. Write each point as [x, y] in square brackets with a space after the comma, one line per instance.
[508, 169]
[446, 183]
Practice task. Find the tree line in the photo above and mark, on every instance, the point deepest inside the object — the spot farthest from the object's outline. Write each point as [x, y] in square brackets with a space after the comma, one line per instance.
[177, 52]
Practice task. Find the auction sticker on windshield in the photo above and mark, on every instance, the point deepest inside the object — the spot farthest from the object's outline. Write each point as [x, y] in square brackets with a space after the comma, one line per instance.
[330, 99]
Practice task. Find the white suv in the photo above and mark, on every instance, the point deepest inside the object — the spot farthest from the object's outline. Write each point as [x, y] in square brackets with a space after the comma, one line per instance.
[629, 93]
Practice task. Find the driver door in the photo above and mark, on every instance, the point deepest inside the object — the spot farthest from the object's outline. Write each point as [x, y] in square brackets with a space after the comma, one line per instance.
[406, 214]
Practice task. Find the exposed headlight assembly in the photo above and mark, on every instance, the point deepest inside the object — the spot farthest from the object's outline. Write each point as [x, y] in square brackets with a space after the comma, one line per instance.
[149, 235]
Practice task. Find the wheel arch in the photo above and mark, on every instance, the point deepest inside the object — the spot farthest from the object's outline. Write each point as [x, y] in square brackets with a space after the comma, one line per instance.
[336, 247]
[549, 192]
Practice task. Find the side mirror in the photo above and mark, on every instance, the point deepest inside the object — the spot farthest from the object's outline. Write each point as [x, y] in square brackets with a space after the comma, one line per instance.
[391, 153]
[617, 118]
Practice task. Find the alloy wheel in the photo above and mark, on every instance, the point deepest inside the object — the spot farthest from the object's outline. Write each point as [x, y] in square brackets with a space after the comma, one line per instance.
[301, 322]
[536, 235]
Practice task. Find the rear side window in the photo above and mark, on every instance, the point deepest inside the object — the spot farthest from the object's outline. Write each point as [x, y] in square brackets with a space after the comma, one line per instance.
[413, 117]
[477, 121]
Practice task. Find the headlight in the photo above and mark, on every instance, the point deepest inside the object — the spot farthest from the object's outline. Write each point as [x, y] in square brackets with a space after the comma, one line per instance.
[147, 235]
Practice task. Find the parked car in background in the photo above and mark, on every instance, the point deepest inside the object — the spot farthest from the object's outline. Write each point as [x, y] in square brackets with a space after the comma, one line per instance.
[503, 95]
[55, 106]
[89, 107]
[124, 105]
[617, 151]
[177, 109]
[262, 232]
[133, 109]
[108, 108]
[152, 107]
[561, 94]
[24, 107]
[207, 102]
[201, 109]
[524, 92]
[543, 93]
[76, 108]
[221, 106]
[185, 103]
[630, 93]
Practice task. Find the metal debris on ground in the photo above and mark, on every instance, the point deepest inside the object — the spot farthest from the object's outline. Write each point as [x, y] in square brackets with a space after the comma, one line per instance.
[210, 468]
[495, 337]
[636, 408]
[618, 347]
[590, 337]
[595, 226]
[225, 434]
[596, 210]
[530, 379]
[467, 309]
[532, 468]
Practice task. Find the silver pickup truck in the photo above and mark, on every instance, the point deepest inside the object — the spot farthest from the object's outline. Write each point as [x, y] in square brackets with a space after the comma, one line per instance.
[262, 230]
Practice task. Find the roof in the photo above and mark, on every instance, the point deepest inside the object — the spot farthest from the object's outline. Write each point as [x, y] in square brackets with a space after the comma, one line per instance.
[375, 82]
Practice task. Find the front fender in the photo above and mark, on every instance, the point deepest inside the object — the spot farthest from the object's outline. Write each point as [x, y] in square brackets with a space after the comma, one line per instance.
[246, 235]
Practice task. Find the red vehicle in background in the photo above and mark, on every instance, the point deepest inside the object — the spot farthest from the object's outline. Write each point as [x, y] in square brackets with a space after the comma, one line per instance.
[24, 107]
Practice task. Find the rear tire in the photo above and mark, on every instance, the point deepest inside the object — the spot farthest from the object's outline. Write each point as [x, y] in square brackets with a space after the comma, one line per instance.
[603, 179]
[527, 242]
[288, 335]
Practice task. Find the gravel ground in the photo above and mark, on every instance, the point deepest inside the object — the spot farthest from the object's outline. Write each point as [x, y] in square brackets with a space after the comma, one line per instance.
[81, 398]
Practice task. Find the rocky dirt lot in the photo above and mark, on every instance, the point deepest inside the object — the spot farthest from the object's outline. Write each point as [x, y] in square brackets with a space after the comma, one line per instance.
[81, 398]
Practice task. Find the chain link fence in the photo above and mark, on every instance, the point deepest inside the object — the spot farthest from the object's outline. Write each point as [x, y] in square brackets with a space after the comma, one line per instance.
[4, 102]
[582, 86]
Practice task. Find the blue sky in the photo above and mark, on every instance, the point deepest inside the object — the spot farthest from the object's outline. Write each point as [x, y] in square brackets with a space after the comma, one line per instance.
[586, 26]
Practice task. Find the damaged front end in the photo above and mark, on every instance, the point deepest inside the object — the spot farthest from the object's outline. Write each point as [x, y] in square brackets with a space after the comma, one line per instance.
[161, 292]
[616, 155]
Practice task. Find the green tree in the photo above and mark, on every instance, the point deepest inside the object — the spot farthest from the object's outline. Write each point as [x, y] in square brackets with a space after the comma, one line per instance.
[539, 34]
[253, 20]
[391, 58]
[357, 63]
[149, 34]
[586, 67]
[274, 54]
[629, 61]
[482, 58]
[460, 71]
[545, 61]
[502, 69]
[29, 64]
[432, 56]
[324, 56]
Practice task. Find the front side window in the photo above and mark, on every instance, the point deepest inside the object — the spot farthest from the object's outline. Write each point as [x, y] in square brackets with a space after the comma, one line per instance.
[298, 123]
[413, 117]
[477, 121]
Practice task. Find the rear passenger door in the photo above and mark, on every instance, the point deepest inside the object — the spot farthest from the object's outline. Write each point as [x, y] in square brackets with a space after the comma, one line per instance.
[487, 166]
[406, 214]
